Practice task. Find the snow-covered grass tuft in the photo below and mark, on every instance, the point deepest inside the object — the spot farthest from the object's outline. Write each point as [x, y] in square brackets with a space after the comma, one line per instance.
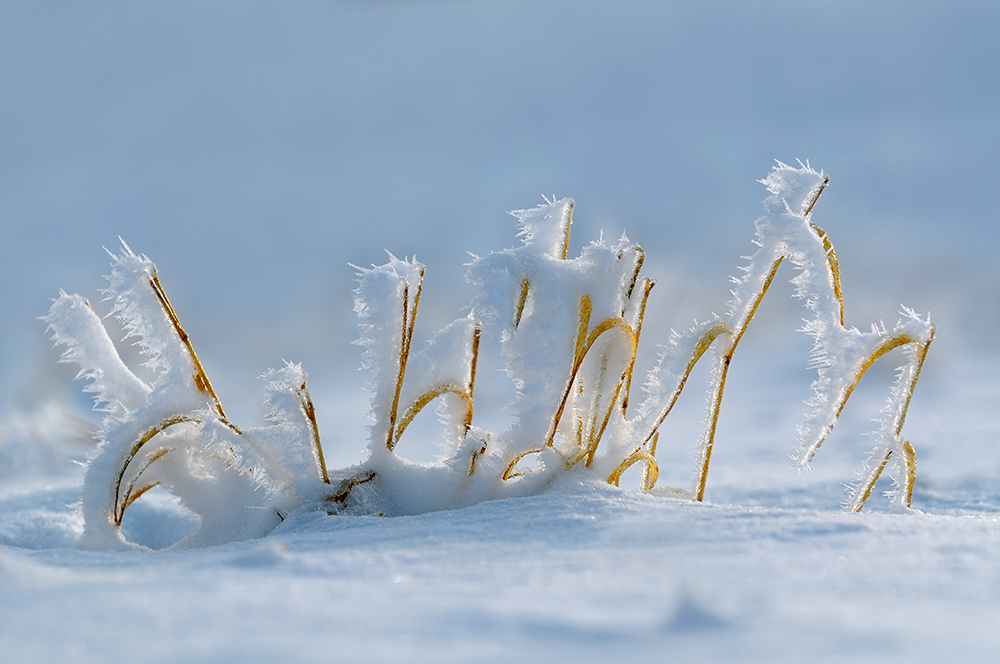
[568, 329]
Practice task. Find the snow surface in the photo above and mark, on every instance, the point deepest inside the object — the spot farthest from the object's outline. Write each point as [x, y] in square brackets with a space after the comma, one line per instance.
[255, 151]
[583, 571]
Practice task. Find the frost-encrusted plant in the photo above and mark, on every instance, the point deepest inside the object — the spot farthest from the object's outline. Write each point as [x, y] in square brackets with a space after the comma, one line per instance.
[569, 329]
[841, 354]
[174, 432]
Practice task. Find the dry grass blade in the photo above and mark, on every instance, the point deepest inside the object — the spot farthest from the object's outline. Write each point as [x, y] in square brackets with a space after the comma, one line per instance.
[347, 485]
[125, 498]
[427, 397]
[650, 474]
[200, 377]
[309, 411]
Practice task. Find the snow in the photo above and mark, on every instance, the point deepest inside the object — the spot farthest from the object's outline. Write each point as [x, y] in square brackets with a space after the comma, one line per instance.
[582, 572]
[256, 152]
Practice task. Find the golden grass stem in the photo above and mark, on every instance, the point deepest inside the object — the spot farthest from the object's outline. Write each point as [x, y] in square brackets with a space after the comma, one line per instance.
[305, 402]
[650, 474]
[408, 321]
[647, 287]
[120, 504]
[584, 343]
[200, 377]
[522, 299]
[345, 486]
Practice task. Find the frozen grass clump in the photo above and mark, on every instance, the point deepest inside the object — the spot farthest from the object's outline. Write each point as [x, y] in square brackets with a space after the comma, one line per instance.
[841, 354]
[568, 329]
[174, 432]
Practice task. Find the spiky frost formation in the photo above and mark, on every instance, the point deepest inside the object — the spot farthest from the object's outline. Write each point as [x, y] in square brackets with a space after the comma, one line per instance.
[841, 354]
[172, 434]
[532, 297]
[568, 329]
[74, 325]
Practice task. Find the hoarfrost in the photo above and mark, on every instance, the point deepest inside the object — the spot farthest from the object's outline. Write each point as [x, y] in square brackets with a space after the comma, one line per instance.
[568, 329]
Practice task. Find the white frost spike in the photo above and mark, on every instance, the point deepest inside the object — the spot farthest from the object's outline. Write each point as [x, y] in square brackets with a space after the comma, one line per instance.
[796, 188]
[74, 325]
[547, 227]
[139, 305]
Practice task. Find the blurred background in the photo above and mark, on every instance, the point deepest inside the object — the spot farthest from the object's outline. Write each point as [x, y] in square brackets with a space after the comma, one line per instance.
[254, 150]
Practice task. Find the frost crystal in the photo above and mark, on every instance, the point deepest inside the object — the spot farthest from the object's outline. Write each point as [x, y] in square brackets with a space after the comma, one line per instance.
[568, 329]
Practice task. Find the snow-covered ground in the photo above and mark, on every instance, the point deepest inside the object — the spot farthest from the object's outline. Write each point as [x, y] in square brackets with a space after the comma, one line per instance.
[582, 572]
[253, 151]
[770, 569]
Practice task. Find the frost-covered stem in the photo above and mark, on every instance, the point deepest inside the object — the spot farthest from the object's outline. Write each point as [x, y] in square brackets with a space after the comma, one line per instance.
[389, 442]
[522, 299]
[122, 502]
[566, 230]
[831, 258]
[651, 471]
[920, 354]
[464, 392]
[586, 338]
[647, 286]
[721, 372]
[347, 485]
[887, 345]
[408, 321]
[736, 329]
[305, 402]
[430, 396]
[74, 325]
[477, 333]
[581, 343]
[438, 386]
[639, 260]
[200, 377]
[909, 462]
[595, 435]
[868, 480]
[704, 342]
